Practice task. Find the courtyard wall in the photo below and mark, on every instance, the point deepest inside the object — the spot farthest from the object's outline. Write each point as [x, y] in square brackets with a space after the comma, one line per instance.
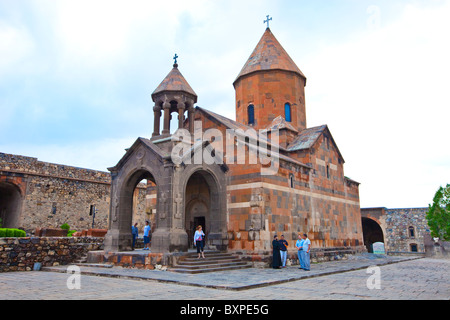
[20, 254]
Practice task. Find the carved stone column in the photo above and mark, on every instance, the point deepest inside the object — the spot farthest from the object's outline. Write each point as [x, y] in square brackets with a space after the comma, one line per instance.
[181, 110]
[166, 108]
[191, 119]
[156, 124]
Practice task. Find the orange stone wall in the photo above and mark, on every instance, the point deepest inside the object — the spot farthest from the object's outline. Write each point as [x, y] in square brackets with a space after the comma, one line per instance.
[269, 91]
[258, 207]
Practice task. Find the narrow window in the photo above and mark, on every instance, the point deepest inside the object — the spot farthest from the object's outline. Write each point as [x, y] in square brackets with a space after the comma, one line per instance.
[251, 115]
[291, 181]
[328, 172]
[412, 233]
[287, 112]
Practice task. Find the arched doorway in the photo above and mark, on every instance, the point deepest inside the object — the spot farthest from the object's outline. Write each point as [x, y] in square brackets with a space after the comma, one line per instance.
[10, 205]
[123, 209]
[203, 208]
[372, 233]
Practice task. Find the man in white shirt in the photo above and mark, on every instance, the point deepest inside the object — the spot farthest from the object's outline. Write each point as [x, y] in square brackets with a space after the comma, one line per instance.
[306, 255]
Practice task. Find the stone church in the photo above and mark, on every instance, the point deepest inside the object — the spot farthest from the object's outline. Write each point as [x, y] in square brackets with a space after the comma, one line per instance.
[240, 200]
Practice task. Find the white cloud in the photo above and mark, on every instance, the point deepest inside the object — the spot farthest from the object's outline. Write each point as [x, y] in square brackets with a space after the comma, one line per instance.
[16, 44]
[385, 98]
[96, 154]
[383, 93]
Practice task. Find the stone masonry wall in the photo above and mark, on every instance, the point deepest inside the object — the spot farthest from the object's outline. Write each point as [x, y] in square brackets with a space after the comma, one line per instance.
[398, 222]
[20, 254]
[53, 194]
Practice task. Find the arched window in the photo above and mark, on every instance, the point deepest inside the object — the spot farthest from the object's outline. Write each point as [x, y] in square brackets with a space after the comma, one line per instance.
[291, 181]
[251, 115]
[287, 112]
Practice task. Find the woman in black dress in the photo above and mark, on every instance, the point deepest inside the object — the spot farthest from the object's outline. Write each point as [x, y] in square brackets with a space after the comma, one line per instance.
[276, 257]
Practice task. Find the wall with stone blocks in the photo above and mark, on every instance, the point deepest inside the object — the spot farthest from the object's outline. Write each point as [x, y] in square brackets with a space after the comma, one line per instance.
[398, 222]
[52, 194]
[20, 254]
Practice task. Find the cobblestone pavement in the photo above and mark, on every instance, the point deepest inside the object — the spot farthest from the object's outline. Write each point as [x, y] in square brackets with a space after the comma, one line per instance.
[410, 279]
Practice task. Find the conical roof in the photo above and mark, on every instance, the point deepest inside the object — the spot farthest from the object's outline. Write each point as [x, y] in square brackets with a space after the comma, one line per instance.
[269, 54]
[174, 82]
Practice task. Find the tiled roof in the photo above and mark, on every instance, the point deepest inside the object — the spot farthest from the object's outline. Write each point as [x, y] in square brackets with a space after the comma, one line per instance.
[174, 82]
[269, 54]
[280, 123]
[231, 124]
[306, 138]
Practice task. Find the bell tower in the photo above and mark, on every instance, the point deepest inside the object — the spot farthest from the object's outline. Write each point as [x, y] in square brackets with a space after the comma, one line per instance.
[173, 95]
[270, 85]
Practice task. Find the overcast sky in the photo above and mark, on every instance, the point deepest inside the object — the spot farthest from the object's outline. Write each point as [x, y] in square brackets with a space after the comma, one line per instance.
[76, 78]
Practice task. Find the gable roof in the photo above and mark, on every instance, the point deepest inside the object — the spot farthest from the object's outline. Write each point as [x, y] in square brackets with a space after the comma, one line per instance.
[231, 124]
[308, 138]
[269, 54]
[140, 141]
[280, 123]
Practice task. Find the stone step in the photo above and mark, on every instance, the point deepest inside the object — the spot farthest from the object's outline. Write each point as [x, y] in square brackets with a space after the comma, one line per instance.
[210, 265]
[214, 261]
[210, 261]
[216, 269]
[207, 253]
[64, 268]
[95, 265]
[207, 258]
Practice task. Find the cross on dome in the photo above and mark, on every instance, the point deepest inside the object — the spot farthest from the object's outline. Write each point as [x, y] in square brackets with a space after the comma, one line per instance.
[267, 21]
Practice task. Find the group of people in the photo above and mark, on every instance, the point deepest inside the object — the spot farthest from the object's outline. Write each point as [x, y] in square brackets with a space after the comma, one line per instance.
[303, 246]
[199, 238]
[147, 235]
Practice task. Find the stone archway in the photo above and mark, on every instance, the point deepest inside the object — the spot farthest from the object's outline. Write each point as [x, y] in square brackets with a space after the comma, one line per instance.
[10, 205]
[197, 213]
[198, 205]
[204, 203]
[372, 233]
[119, 237]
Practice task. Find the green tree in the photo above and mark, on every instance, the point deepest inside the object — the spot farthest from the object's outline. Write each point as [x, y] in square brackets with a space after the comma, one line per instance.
[438, 215]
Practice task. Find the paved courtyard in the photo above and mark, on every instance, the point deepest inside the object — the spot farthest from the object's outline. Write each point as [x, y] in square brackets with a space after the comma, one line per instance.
[399, 279]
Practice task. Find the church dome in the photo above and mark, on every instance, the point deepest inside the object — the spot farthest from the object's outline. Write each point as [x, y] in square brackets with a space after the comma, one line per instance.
[269, 54]
[175, 82]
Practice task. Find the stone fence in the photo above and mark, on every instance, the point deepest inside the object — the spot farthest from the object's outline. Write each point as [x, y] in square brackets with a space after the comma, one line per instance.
[20, 254]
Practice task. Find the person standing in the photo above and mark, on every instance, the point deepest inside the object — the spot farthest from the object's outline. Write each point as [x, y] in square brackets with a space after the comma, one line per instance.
[283, 251]
[306, 255]
[299, 245]
[135, 233]
[199, 237]
[276, 257]
[147, 235]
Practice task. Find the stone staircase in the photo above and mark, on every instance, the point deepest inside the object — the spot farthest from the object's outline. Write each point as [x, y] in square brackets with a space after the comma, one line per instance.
[81, 260]
[214, 261]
